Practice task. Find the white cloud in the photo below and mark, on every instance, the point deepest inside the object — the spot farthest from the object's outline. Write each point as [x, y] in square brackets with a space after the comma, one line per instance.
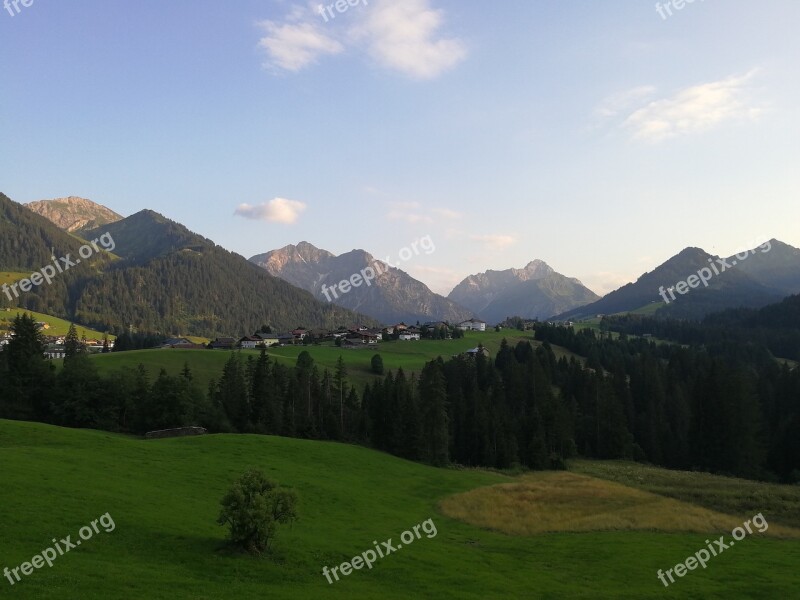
[413, 212]
[400, 36]
[694, 109]
[408, 217]
[277, 210]
[446, 213]
[404, 36]
[624, 101]
[297, 43]
[494, 241]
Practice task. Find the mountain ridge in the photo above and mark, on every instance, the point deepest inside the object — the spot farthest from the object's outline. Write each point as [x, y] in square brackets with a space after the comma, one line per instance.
[766, 276]
[535, 291]
[391, 296]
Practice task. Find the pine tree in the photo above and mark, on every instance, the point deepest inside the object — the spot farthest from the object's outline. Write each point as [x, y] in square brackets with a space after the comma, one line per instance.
[433, 397]
[72, 344]
[340, 379]
[232, 393]
[30, 380]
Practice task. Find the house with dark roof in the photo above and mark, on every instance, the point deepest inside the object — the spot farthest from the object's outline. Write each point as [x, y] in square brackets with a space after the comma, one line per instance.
[268, 339]
[223, 343]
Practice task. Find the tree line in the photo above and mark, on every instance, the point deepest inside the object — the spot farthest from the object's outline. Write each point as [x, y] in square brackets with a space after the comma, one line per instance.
[731, 411]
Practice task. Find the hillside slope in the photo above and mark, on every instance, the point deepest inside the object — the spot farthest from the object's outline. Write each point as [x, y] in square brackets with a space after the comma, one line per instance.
[163, 496]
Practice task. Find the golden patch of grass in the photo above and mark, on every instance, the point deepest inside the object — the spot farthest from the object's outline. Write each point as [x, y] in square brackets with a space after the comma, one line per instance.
[562, 501]
[8, 277]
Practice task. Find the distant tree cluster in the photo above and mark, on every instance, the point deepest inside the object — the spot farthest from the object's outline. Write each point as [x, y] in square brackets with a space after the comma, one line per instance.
[259, 395]
[473, 411]
[775, 327]
[728, 407]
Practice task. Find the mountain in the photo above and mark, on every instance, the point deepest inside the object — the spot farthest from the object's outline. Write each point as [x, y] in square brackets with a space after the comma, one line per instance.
[147, 235]
[391, 296]
[160, 278]
[535, 291]
[762, 278]
[28, 243]
[778, 267]
[74, 214]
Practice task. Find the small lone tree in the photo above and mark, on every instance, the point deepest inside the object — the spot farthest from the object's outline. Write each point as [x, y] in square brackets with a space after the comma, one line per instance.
[253, 508]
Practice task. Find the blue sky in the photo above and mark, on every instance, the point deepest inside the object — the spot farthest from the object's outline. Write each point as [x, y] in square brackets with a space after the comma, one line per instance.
[599, 137]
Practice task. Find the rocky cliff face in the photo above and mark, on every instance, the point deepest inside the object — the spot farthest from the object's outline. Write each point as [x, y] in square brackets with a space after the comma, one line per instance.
[74, 214]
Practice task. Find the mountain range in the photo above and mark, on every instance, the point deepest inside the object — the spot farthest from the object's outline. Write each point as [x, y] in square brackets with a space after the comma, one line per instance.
[391, 296]
[162, 277]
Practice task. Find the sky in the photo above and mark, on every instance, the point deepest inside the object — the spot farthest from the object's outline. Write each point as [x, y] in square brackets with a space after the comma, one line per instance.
[600, 137]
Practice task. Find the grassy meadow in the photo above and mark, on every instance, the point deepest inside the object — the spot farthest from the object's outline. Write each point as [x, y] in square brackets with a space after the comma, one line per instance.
[163, 496]
[9, 277]
[57, 326]
[411, 356]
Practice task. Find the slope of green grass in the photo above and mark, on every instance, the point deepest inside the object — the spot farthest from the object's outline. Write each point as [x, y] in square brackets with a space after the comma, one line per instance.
[647, 310]
[57, 326]
[164, 498]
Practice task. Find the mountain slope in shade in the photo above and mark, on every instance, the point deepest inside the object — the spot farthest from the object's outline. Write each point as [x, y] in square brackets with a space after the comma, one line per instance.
[535, 291]
[734, 287]
[147, 235]
[391, 297]
[778, 268]
[74, 214]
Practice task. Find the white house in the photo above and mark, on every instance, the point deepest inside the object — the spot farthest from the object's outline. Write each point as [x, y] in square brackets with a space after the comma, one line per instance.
[472, 325]
[250, 343]
[409, 336]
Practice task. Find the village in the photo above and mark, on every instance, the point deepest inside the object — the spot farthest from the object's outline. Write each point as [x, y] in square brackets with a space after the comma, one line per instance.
[354, 337]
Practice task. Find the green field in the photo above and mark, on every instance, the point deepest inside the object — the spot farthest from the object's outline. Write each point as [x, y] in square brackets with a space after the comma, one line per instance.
[9, 277]
[164, 497]
[647, 310]
[411, 356]
[57, 326]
